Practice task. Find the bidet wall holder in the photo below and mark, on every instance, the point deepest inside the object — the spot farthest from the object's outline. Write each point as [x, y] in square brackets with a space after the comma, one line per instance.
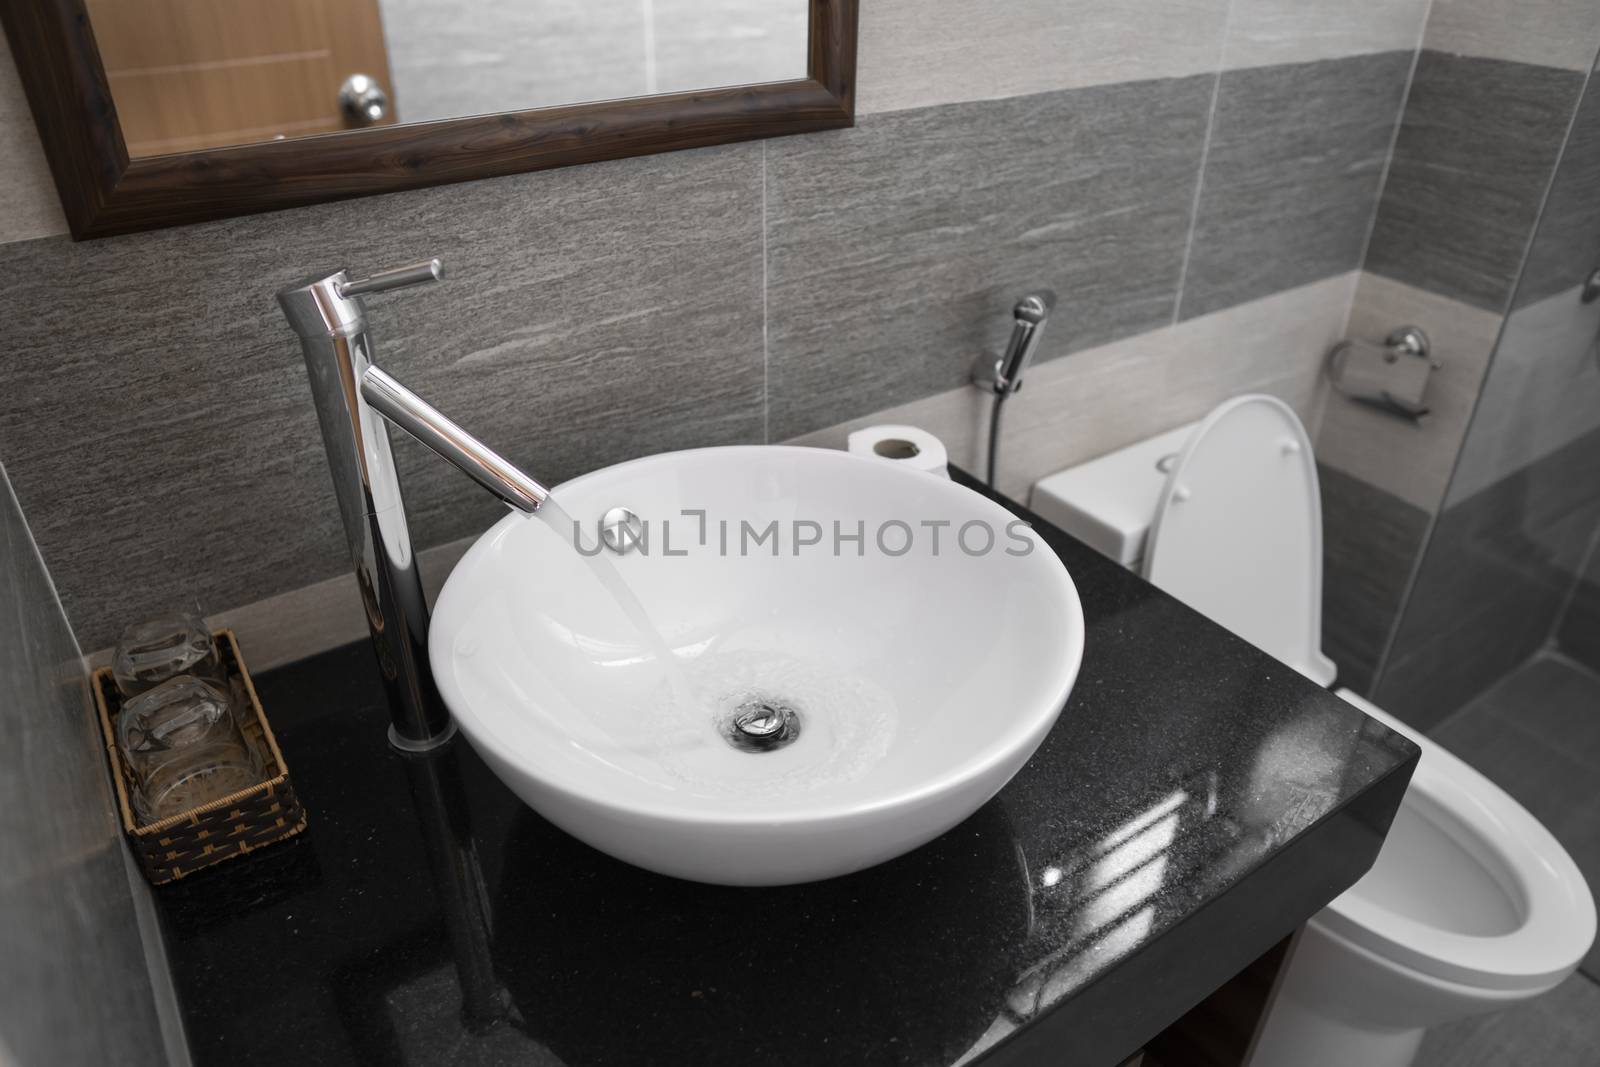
[328, 312]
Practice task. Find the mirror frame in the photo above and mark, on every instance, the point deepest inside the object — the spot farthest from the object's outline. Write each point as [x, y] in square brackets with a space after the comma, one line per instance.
[104, 192]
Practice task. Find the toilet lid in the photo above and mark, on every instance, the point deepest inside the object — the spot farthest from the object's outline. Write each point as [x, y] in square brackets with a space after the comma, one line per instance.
[1238, 534]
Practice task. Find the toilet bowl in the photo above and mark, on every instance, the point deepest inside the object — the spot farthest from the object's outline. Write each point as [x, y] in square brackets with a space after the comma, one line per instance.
[1471, 905]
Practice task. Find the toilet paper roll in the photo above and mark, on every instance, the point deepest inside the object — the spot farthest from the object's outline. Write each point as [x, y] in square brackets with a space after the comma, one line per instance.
[906, 445]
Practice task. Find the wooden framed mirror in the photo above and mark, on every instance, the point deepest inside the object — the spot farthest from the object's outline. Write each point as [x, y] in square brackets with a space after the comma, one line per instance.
[163, 112]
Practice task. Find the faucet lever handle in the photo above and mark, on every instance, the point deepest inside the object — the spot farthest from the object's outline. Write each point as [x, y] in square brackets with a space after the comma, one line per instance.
[400, 278]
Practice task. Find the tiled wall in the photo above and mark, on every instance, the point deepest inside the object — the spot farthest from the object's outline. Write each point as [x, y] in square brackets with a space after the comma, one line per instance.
[1168, 306]
[157, 420]
[1370, 543]
[1195, 177]
[1492, 98]
[78, 985]
[1474, 157]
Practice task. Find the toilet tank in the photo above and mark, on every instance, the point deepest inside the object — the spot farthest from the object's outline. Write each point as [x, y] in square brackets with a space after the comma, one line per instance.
[1110, 503]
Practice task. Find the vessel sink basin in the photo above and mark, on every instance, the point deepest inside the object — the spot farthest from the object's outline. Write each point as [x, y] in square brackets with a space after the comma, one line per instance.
[797, 701]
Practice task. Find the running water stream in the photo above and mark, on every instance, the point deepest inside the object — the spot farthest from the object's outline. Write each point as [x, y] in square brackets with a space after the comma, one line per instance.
[605, 572]
[841, 724]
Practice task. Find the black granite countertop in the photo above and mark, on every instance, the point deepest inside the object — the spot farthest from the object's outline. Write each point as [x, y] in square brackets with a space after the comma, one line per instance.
[1195, 803]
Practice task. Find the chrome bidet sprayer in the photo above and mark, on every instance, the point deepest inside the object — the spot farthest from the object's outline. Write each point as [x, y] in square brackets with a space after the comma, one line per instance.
[1003, 376]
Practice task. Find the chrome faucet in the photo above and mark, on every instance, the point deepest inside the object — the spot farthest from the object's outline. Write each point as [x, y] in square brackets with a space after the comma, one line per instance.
[330, 315]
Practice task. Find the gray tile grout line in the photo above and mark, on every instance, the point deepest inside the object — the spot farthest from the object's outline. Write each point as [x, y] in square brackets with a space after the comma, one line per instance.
[1515, 723]
[1205, 155]
[766, 358]
[1394, 139]
[1393, 633]
[1567, 661]
[1377, 205]
[647, 10]
[1477, 705]
[1372, 226]
[1550, 641]
[38, 554]
[1477, 700]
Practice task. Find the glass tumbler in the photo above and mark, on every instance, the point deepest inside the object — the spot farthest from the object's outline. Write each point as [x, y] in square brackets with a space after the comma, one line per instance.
[158, 649]
[183, 748]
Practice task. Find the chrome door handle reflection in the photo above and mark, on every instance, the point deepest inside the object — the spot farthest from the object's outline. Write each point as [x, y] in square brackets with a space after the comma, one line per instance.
[362, 100]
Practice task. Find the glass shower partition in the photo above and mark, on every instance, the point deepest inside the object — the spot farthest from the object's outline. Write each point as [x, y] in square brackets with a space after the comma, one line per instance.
[1497, 650]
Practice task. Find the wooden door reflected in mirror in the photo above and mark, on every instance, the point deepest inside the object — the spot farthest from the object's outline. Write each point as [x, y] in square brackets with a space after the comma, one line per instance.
[187, 75]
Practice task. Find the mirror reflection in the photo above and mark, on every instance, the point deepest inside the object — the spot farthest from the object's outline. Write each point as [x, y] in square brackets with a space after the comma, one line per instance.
[193, 74]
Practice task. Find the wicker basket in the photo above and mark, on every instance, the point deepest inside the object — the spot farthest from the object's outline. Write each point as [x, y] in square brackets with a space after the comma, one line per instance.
[232, 826]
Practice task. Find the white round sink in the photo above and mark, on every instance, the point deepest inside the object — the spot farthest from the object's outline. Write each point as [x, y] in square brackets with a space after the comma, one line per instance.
[852, 658]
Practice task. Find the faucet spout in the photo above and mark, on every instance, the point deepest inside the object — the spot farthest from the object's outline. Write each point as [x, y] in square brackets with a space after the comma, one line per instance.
[355, 402]
[433, 428]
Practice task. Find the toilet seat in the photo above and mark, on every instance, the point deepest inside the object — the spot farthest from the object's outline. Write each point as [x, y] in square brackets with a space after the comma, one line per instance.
[1557, 914]
[1242, 499]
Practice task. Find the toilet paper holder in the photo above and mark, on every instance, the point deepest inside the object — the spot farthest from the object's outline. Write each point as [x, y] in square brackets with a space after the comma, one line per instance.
[1392, 377]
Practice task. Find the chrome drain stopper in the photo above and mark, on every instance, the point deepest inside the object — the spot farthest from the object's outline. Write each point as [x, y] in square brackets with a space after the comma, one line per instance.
[762, 726]
[761, 721]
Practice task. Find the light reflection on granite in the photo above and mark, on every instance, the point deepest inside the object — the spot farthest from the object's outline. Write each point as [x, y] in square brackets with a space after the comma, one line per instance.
[1100, 899]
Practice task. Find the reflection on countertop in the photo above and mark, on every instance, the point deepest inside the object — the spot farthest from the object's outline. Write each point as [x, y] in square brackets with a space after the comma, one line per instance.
[1195, 803]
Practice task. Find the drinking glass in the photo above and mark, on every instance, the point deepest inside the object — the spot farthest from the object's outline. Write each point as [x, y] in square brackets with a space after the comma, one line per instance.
[158, 649]
[183, 748]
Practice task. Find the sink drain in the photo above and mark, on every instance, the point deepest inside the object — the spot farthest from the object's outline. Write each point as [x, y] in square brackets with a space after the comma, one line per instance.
[761, 726]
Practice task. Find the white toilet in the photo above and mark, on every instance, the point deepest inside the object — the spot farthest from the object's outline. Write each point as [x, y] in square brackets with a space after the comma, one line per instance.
[1472, 905]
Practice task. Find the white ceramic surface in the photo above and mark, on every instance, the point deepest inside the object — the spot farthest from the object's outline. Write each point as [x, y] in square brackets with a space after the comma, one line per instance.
[1238, 533]
[1509, 912]
[925, 673]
